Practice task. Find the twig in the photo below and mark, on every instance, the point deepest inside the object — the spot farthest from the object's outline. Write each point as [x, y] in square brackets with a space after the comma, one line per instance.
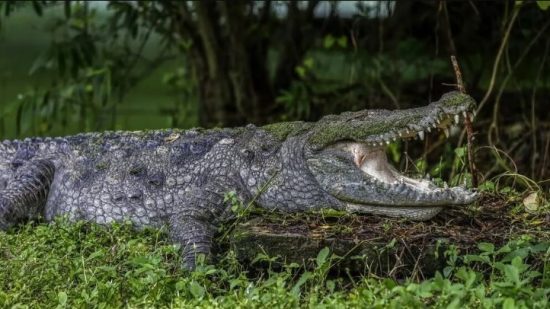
[388, 92]
[467, 124]
[498, 56]
[511, 68]
[458, 74]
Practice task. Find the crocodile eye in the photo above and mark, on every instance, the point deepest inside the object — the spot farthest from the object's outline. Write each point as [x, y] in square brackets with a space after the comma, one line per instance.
[248, 154]
[268, 150]
[15, 164]
[197, 148]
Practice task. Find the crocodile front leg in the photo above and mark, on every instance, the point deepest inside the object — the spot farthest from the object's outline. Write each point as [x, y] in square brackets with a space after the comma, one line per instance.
[195, 224]
[194, 235]
[26, 194]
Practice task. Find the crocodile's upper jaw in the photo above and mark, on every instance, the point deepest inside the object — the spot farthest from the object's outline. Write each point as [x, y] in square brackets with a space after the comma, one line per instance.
[358, 174]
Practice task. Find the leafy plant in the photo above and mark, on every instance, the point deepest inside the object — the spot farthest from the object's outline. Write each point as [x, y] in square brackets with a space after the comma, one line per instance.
[84, 264]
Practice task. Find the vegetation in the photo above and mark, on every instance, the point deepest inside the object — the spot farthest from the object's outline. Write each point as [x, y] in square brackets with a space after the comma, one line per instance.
[82, 265]
[89, 66]
[120, 65]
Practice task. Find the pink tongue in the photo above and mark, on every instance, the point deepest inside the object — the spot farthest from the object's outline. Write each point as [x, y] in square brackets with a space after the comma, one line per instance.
[373, 161]
[376, 164]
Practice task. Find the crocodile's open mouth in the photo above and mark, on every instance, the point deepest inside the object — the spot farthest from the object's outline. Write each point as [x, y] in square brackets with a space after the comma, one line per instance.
[371, 157]
[361, 176]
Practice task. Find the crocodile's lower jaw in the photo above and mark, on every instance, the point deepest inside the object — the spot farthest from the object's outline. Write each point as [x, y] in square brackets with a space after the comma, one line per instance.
[418, 213]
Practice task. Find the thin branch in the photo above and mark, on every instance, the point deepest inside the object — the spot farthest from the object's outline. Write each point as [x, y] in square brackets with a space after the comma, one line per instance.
[130, 67]
[511, 70]
[458, 74]
[503, 44]
[447, 28]
[467, 124]
[388, 92]
[474, 7]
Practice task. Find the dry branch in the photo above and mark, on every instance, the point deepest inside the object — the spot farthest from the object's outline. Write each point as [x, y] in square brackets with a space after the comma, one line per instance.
[467, 123]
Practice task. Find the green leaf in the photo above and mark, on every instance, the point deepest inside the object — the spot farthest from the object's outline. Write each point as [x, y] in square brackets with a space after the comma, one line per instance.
[330, 285]
[303, 278]
[329, 41]
[180, 285]
[196, 289]
[460, 152]
[477, 258]
[509, 303]
[308, 62]
[62, 298]
[486, 247]
[322, 256]
[487, 186]
[511, 273]
[543, 5]
[455, 303]
[343, 41]
[301, 71]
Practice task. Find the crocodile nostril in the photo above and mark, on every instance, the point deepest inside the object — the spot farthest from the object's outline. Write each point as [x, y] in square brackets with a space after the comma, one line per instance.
[118, 197]
[135, 195]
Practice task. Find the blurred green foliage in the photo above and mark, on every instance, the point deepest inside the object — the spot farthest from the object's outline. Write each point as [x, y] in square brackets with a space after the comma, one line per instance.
[74, 66]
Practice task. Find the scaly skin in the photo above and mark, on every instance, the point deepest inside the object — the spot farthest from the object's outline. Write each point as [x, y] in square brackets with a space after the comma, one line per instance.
[179, 178]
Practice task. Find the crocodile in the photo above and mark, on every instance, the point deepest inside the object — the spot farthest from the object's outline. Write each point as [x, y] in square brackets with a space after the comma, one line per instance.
[179, 178]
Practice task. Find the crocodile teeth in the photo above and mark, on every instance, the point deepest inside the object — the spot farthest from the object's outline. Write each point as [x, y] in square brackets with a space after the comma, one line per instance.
[457, 118]
[421, 135]
[446, 130]
[429, 129]
[465, 114]
[387, 142]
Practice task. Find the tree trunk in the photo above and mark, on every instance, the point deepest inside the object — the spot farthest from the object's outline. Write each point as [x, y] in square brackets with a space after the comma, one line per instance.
[229, 56]
[230, 67]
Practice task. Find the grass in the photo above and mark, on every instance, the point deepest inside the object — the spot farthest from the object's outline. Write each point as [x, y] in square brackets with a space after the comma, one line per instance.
[83, 264]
